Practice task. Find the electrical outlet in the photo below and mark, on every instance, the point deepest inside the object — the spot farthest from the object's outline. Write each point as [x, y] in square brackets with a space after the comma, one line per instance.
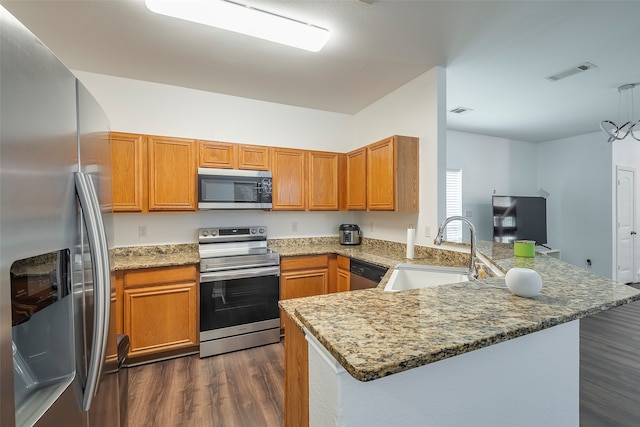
[468, 213]
[371, 227]
[294, 227]
[427, 231]
[142, 231]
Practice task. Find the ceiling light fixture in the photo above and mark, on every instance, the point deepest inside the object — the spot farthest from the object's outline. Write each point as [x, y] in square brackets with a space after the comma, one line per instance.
[246, 20]
[631, 126]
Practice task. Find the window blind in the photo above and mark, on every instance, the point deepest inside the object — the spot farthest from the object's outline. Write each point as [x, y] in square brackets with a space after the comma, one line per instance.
[454, 203]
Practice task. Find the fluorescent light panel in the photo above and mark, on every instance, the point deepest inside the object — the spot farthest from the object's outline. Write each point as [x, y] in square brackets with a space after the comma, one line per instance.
[245, 20]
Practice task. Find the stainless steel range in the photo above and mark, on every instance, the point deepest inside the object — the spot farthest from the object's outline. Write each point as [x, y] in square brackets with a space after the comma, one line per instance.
[239, 289]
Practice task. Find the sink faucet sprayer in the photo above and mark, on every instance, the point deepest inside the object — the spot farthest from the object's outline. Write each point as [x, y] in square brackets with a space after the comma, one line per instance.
[438, 241]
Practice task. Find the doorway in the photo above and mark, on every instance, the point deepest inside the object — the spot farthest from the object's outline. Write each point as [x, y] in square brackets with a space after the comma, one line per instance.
[625, 224]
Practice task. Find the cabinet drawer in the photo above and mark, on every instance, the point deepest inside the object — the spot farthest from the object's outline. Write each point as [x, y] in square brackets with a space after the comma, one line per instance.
[303, 262]
[344, 262]
[158, 276]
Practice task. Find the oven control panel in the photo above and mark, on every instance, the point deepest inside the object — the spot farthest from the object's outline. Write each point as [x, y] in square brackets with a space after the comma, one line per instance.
[232, 234]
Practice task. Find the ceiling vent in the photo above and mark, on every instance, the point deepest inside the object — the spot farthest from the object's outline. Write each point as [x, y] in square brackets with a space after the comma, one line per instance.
[585, 66]
[460, 110]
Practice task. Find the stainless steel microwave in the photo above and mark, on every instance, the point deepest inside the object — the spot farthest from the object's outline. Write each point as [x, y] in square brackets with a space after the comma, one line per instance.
[234, 189]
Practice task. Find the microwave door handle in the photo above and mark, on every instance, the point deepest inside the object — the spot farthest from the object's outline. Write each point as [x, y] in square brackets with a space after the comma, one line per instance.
[96, 235]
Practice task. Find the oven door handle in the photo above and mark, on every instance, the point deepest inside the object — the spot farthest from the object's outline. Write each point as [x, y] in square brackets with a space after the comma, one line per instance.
[215, 276]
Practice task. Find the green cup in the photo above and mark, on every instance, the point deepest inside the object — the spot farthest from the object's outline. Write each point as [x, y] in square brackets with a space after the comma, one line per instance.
[524, 248]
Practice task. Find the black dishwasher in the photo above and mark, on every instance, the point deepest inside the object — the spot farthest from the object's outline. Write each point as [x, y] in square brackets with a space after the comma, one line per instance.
[365, 275]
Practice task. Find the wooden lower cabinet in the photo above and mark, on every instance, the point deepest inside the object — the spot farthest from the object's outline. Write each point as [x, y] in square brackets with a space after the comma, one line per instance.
[160, 311]
[296, 376]
[343, 276]
[304, 276]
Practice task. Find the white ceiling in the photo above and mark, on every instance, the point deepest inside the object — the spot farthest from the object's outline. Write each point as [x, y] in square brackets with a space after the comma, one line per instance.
[497, 55]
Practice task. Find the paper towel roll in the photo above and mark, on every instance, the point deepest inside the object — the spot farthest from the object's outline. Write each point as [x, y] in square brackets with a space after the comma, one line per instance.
[411, 238]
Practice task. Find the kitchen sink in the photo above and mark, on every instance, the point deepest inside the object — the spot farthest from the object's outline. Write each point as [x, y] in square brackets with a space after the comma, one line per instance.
[412, 276]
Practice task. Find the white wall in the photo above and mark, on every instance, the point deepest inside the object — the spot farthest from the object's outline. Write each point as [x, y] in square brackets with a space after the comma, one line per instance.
[415, 109]
[151, 108]
[577, 173]
[490, 166]
[180, 227]
[626, 153]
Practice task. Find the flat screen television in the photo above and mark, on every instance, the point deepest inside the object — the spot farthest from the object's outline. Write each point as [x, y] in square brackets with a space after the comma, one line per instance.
[519, 218]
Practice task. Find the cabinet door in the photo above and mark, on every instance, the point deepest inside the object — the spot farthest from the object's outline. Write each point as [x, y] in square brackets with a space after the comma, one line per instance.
[161, 318]
[253, 157]
[288, 167]
[407, 174]
[304, 283]
[381, 175]
[357, 180]
[128, 172]
[217, 155]
[296, 376]
[172, 174]
[323, 181]
[344, 274]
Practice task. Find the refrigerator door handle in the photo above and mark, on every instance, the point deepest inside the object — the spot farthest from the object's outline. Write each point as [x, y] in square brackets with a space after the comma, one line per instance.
[102, 290]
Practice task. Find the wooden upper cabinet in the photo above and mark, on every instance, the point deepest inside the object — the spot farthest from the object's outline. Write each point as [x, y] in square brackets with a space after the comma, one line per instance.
[356, 171]
[129, 172]
[172, 174]
[289, 179]
[392, 175]
[253, 157]
[217, 155]
[323, 181]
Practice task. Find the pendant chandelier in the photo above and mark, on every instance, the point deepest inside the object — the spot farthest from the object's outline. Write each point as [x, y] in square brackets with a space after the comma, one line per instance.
[631, 125]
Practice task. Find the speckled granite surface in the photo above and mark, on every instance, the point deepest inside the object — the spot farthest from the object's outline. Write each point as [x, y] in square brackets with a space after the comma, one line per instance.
[379, 252]
[372, 333]
[134, 257]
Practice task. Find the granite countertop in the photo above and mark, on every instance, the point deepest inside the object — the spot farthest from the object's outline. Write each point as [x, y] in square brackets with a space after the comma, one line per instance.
[135, 257]
[380, 252]
[373, 333]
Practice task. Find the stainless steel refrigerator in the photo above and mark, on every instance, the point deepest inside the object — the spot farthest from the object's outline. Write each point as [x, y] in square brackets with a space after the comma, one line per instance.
[58, 351]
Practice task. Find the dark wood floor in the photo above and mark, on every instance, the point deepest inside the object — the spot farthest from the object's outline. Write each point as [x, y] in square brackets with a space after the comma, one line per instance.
[243, 388]
[610, 368]
[246, 388]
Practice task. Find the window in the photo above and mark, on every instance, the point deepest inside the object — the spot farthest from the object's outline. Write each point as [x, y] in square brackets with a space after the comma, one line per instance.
[454, 203]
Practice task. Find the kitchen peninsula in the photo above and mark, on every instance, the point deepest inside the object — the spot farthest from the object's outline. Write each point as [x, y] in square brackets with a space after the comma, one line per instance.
[459, 354]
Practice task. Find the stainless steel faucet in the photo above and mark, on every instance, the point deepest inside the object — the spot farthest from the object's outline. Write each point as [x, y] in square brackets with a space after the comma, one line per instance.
[438, 241]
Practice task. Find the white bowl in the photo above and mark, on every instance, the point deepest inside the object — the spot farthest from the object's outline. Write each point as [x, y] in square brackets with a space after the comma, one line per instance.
[523, 282]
